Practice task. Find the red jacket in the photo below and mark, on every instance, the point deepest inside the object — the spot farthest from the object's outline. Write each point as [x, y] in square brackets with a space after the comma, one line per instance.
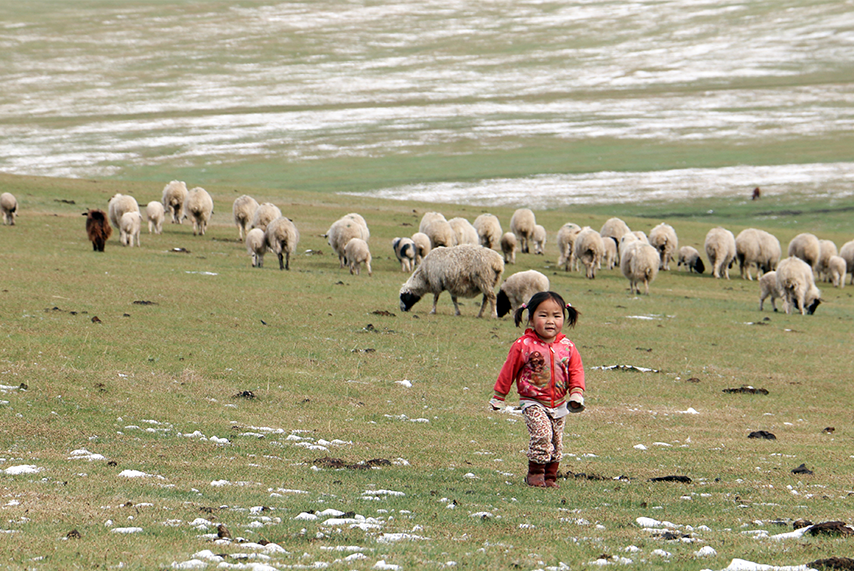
[544, 372]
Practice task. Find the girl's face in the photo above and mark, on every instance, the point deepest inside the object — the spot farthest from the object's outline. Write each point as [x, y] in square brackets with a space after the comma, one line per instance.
[547, 320]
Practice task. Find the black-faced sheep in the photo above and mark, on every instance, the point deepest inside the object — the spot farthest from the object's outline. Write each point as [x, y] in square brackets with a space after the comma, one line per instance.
[827, 249]
[663, 238]
[539, 239]
[690, 258]
[199, 208]
[9, 206]
[464, 232]
[463, 271]
[422, 246]
[404, 251]
[846, 252]
[174, 197]
[638, 263]
[806, 247]
[508, 247]
[488, 230]
[518, 289]
[768, 288]
[795, 280]
[243, 210]
[440, 233]
[256, 246]
[129, 226]
[522, 224]
[97, 228]
[264, 214]
[566, 236]
[342, 231]
[589, 249]
[119, 204]
[836, 269]
[720, 249]
[358, 253]
[759, 248]
[155, 214]
[282, 238]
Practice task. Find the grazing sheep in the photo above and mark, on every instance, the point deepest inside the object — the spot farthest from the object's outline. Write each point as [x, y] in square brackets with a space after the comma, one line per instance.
[589, 249]
[422, 246]
[155, 214]
[404, 251]
[119, 204]
[639, 263]
[518, 289]
[129, 226]
[98, 229]
[522, 224]
[720, 249]
[641, 235]
[663, 238]
[358, 253]
[488, 230]
[566, 237]
[342, 231]
[806, 247]
[256, 246]
[610, 257]
[846, 252]
[690, 257]
[174, 197]
[508, 247]
[243, 209]
[428, 218]
[836, 268]
[827, 250]
[440, 233]
[264, 214]
[759, 248]
[360, 220]
[282, 238]
[768, 288]
[614, 228]
[464, 271]
[199, 207]
[795, 280]
[464, 232]
[539, 239]
[9, 206]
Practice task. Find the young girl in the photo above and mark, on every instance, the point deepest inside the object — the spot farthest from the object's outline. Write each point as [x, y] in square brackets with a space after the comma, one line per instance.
[547, 369]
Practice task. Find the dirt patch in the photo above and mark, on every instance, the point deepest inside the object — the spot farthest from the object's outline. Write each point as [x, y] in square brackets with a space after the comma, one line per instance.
[679, 479]
[337, 463]
[383, 312]
[746, 390]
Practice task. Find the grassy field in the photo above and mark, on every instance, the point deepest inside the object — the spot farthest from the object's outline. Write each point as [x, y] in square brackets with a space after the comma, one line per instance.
[246, 397]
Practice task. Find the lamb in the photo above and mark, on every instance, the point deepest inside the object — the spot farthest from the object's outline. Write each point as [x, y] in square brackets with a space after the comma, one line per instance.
[846, 252]
[9, 207]
[522, 225]
[264, 214]
[690, 257]
[464, 232]
[130, 225]
[518, 289]
[199, 208]
[806, 247]
[282, 238]
[610, 257]
[358, 253]
[440, 233]
[827, 250]
[566, 237]
[98, 229]
[768, 288]
[422, 246]
[243, 209]
[119, 204]
[539, 238]
[488, 230]
[428, 218]
[508, 247]
[759, 248]
[155, 214]
[589, 249]
[342, 231]
[464, 271]
[404, 251]
[663, 238]
[836, 268]
[174, 197]
[795, 280]
[720, 249]
[256, 246]
[639, 263]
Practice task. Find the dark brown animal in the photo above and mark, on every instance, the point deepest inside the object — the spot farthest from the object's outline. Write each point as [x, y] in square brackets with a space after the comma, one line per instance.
[756, 193]
[98, 228]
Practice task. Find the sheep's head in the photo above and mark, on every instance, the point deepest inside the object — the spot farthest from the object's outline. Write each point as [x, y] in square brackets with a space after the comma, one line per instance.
[408, 299]
[502, 304]
[699, 266]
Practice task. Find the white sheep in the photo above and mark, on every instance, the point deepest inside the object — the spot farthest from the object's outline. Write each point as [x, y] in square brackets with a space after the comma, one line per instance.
[827, 249]
[199, 208]
[836, 269]
[264, 214]
[243, 210]
[282, 238]
[720, 249]
[518, 289]
[566, 236]
[522, 225]
[358, 253]
[589, 250]
[806, 247]
[440, 233]
[638, 263]
[539, 239]
[463, 271]
[428, 218]
[9, 206]
[360, 220]
[768, 288]
[846, 252]
[690, 258]
[488, 230]
[256, 246]
[508, 247]
[464, 232]
[614, 228]
[404, 251]
[663, 238]
[795, 280]
[610, 257]
[759, 248]
[641, 235]
[174, 197]
[129, 226]
[342, 231]
[119, 204]
[155, 214]
[422, 246]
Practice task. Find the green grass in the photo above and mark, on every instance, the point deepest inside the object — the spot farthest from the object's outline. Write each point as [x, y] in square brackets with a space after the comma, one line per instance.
[323, 364]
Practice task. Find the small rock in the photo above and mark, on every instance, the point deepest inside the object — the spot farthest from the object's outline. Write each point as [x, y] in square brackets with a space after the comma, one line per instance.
[222, 532]
[95, 319]
[762, 434]
[829, 430]
[802, 469]
[801, 523]
[73, 534]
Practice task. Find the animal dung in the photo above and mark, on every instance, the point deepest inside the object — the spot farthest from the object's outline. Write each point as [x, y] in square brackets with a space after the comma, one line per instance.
[829, 430]
[802, 469]
[679, 479]
[748, 390]
[764, 434]
[837, 528]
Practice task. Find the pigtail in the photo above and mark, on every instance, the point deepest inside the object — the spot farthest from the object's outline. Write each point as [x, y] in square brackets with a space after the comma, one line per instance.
[571, 315]
[517, 317]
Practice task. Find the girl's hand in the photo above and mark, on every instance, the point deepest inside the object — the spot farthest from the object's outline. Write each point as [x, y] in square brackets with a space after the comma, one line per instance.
[576, 402]
[496, 403]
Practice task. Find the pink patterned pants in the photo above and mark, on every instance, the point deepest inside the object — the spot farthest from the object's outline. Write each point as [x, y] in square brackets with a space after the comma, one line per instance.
[546, 434]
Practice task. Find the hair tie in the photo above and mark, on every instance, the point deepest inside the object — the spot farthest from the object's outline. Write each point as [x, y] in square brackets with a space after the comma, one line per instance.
[568, 305]
[524, 306]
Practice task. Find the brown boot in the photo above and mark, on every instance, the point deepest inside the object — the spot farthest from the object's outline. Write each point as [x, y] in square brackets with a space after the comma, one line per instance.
[536, 475]
[551, 475]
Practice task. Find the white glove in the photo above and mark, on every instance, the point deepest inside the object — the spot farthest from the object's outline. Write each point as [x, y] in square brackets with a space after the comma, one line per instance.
[497, 404]
[576, 402]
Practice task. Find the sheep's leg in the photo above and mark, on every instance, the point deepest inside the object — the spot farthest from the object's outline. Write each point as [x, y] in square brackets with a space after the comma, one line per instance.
[645, 286]
[288, 260]
[435, 301]
[456, 306]
[281, 260]
[483, 306]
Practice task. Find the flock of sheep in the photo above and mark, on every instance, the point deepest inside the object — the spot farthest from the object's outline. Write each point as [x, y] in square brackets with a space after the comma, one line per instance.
[459, 257]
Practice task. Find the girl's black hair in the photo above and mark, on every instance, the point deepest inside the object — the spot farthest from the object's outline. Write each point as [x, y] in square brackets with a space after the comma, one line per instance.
[570, 314]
